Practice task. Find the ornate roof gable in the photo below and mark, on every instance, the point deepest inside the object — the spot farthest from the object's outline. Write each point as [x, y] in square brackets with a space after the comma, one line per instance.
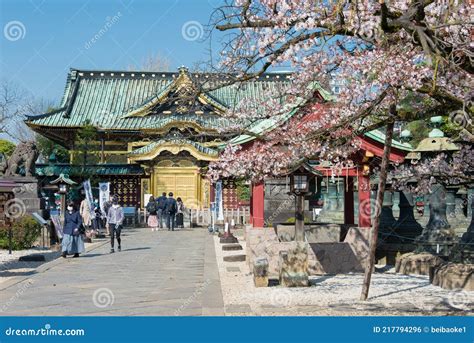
[181, 96]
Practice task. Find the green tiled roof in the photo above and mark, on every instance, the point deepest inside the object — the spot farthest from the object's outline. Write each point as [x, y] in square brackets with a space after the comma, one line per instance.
[266, 125]
[98, 169]
[104, 98]
[176, 141]
[379, 136]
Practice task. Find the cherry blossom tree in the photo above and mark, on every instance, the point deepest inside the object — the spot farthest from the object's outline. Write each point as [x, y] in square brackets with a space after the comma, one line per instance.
[381, 54]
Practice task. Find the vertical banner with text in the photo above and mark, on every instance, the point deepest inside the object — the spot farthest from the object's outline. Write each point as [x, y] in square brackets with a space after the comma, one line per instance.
[89, 196]
[219, 207]
[104, 194]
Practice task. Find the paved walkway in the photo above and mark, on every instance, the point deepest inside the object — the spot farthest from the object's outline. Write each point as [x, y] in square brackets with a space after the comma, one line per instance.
[157, 273]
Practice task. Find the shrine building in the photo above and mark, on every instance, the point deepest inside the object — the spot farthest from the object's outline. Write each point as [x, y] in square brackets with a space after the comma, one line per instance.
[156, 131]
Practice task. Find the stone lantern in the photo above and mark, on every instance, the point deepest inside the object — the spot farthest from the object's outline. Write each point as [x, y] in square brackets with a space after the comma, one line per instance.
[438, 236]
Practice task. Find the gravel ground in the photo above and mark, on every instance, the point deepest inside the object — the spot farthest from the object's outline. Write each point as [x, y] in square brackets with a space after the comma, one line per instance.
[337, 295]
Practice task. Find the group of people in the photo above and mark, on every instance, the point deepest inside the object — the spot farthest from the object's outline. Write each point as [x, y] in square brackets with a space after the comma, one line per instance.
[166, 209]
[75, 223]
[160, 209]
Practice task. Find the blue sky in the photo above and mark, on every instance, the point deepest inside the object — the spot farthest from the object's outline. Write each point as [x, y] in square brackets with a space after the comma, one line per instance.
[42, 39]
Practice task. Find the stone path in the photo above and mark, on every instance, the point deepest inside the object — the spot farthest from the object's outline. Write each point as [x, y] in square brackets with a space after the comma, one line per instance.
[157, 273]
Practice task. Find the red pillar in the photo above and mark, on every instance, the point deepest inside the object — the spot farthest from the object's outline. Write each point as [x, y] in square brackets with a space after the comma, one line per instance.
[257, 205]
[349, 201]
[364, 201]
[212, 193]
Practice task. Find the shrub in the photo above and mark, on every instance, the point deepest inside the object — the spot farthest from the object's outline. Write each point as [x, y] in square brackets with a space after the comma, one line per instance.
[25, 232]
[292, 220]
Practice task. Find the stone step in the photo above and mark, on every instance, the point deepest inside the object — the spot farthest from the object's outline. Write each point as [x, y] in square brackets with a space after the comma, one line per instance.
[228, 240]
[235, 258]
[229, 247]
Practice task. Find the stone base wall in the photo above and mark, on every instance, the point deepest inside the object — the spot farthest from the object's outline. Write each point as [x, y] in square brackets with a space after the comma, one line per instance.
[323, 257]
[317, 233]
[453, 276]
[420, 264]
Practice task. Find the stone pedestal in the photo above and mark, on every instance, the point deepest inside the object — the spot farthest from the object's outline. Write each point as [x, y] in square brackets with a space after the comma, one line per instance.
[468, 236]
[260, 272]
[386, 217]
[420, 264]
[438, 237]
[454, 276]
[406, 228]
[294, 265]
[23, 198]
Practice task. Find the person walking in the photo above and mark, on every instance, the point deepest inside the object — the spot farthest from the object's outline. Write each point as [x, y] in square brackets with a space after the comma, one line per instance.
[180, 213]
[107, 206]
[97, 217]
[170, 209]
[151, 208]
[160, 205]
[73, 242]
[85, 212]
[115, 219]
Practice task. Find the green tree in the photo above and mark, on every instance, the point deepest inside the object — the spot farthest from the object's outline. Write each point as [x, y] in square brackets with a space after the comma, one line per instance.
[419, 130]
[84, 144]
[47, 147]
[6, 147]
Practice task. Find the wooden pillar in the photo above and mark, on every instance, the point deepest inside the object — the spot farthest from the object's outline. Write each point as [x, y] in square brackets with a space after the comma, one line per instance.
[349, 201]
[212, 193]
[364, 201]
[102, 150]
[257, 205]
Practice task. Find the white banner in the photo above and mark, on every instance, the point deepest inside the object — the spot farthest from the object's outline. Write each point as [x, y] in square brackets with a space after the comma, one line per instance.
[89, 196]
[219, 207]
[104, 195]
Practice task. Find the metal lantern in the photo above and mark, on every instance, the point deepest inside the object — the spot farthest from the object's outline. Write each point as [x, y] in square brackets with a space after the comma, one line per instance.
[299, 181]
[62, 188]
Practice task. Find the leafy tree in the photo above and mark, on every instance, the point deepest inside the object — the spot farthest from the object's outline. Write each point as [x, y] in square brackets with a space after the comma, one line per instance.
[47, 147]
[6, 147]
[84, 145]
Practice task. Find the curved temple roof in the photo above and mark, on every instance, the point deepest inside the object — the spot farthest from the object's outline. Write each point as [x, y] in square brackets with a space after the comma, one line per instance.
[119, 100]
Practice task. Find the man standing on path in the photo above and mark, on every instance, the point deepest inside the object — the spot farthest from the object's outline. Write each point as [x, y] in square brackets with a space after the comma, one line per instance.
[115, 219]
[160, 205]
[170, 209]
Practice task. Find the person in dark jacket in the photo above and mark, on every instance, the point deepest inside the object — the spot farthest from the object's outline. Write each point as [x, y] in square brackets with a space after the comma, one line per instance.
[160, 209]
[73, 241]
[180, 213]
[152, 214]
[170, 209]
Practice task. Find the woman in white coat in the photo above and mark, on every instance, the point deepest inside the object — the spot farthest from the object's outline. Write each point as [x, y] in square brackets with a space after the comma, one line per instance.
[85, 212]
